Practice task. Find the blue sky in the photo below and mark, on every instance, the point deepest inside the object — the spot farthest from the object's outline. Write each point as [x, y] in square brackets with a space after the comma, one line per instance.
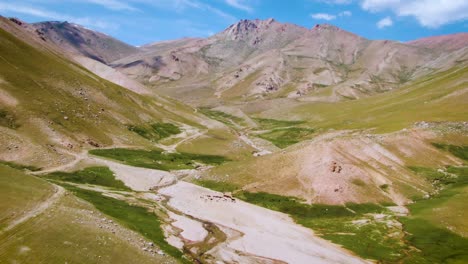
[139, 22]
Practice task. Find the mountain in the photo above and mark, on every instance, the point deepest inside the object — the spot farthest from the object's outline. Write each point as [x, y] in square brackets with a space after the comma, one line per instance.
[265, 59]
[250, 38]
[446, 42]
[52, 108]
[77, 39]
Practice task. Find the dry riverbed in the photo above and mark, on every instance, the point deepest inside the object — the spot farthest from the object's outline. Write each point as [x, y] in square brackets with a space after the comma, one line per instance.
[221, 229]
[254, 234]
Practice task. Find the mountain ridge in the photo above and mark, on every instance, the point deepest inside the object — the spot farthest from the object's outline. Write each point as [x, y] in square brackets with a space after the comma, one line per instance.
[260, 59]
[449, 42]
[80, 40]
[273, 59]
[241, 21]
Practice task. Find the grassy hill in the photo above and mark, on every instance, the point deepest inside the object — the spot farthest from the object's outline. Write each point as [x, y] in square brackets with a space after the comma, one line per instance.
[59, 107]
[74, 230]
[439, 97]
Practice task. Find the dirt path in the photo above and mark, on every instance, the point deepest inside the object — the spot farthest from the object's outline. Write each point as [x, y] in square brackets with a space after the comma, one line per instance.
[39, 209]
[173, 147]
[189, 133]
[78, 157]
[260, 150]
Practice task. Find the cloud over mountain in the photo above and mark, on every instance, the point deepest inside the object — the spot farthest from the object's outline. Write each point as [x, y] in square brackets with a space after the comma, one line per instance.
[429, 13]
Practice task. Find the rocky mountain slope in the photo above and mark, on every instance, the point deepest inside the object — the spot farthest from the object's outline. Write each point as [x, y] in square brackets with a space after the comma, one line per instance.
[258, 59]
[264, 59]
[52, 108]
[447, 42]
[79, 40]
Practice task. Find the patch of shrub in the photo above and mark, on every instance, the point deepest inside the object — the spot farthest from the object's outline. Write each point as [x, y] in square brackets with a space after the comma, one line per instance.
[155, 131]
[93, 175]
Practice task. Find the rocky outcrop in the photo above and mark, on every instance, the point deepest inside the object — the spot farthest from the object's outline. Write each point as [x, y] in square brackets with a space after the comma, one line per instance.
[79, 40]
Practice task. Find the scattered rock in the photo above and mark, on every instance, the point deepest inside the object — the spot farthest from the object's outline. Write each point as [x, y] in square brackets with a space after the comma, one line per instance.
[174, 57]
[334, 167]
[16, 21]
[93, 143]
[422, 124]
[379, 216]
[360, 222]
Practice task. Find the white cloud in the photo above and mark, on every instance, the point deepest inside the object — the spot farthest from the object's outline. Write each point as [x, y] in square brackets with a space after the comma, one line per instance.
[239, 4]
[385, 22]
[345, 13]
[323, 16]
[329, 17]
[37, 12]
[113, 4]
[429, 13]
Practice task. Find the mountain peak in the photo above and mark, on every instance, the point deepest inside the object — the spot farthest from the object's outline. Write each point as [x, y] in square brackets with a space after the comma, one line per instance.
[258, 22]
[245, 28]
[325, 26]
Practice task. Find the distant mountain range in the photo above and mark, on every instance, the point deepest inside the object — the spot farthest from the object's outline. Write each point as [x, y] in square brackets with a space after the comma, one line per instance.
[255, 59]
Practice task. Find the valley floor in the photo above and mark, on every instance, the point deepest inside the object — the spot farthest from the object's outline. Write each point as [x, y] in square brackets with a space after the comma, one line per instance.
[246, 233]
[163, 216]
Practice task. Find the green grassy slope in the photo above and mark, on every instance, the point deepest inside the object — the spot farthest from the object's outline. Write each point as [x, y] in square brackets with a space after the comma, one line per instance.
[73, 229]
[156, 131]
[437, 226]
[446, 208]
[19, 193]
[439, 97]
[92, 175]
[72, 101]
[373, 232]
[155, 159]
[136, 218]
[72, 235]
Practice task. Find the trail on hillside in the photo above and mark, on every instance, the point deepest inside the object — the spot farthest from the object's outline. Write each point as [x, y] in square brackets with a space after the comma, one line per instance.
[78, 157]
[188, 135]
[260, 149]
[39, 209]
